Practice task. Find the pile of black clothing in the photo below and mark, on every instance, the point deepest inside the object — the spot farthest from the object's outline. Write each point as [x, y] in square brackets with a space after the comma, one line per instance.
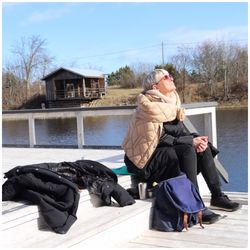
[54, 187]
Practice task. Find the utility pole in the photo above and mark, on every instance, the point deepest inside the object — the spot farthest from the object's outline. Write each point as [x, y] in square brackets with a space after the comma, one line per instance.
[162, 52]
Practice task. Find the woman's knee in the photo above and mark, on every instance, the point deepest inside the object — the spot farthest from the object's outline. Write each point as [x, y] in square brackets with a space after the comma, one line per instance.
[206, 155]
[189, 151]
[170, 156]
[187, 157]
[208, 152]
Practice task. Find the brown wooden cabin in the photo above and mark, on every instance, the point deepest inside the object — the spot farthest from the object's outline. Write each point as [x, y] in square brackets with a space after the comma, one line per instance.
[71, 87]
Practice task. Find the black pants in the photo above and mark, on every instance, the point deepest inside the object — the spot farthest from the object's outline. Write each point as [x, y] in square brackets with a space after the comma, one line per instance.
[167, 162]
[192, 163]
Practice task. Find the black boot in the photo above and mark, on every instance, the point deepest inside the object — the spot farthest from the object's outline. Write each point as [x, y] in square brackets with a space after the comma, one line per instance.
[209, 217]
[222, 202]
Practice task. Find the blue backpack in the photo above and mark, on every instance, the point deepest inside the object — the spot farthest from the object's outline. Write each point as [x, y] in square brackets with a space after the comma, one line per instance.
[177, 205]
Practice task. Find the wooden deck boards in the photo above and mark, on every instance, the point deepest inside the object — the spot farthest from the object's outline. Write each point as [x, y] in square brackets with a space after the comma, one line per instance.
[110, 226]
[231, 231]
[29, 229]
[225, 235]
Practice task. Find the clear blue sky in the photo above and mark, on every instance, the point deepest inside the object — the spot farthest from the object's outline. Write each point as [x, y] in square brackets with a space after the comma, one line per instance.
[107, 36]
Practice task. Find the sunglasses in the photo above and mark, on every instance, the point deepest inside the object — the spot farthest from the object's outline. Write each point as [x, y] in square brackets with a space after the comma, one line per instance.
[166, 77]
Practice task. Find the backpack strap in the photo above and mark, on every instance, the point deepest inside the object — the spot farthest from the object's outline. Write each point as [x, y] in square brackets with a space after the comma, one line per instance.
[185, 221]
[200, 218]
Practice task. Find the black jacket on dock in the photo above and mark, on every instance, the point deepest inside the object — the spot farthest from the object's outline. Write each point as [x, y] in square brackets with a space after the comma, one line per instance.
[56, 196]
[54, 188]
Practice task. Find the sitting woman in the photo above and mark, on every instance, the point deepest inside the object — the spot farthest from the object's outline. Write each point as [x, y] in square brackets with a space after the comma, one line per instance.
[157, 146]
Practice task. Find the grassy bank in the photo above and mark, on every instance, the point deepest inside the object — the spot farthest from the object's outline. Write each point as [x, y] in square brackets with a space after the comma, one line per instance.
[233, 105]
[116, 96]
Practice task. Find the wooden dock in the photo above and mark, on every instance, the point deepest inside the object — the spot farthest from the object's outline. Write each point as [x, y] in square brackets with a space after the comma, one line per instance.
[110, 226]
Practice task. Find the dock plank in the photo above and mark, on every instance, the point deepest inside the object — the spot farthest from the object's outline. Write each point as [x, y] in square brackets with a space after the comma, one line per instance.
[189, 241]
[91, 221]
[231, 231]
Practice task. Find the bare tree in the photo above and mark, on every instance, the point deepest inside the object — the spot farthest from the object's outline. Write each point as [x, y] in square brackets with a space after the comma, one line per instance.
[205, 59]
[140, 70]
[236, 67]
[32, 60]
[182, 62]
[13, 92]
[242, 66]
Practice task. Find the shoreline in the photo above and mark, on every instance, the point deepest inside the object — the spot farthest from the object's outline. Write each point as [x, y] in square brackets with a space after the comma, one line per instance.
[223, 106]
[220, 106]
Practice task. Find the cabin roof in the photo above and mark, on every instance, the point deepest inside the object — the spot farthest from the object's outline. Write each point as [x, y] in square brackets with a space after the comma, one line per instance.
[81, 72]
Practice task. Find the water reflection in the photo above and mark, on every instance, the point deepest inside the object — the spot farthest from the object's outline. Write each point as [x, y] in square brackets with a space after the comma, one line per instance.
[105, 130]
[56, 131]
[15, 132]
[232, 141]
[101, 130]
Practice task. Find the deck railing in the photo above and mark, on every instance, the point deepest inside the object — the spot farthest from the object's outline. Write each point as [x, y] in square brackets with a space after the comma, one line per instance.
[207, 110]
[79, 93]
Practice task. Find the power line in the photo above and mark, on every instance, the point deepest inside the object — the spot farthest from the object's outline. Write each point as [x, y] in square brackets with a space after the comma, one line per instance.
[117, 52]
[148, 47]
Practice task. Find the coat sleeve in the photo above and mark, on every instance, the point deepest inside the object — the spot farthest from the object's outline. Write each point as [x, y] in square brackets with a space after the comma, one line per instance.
[170, 140]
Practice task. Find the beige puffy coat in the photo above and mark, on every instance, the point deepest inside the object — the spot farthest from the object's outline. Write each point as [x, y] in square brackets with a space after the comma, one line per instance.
[146, 126]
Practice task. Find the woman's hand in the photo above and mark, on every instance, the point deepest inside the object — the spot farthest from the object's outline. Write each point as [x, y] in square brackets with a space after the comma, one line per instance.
[200, 143]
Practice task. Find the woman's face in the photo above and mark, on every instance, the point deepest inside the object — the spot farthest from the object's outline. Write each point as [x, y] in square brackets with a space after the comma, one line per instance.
[165, 85]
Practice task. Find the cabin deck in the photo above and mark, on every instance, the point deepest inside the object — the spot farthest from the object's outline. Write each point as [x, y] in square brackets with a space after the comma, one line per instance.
[111, 226]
